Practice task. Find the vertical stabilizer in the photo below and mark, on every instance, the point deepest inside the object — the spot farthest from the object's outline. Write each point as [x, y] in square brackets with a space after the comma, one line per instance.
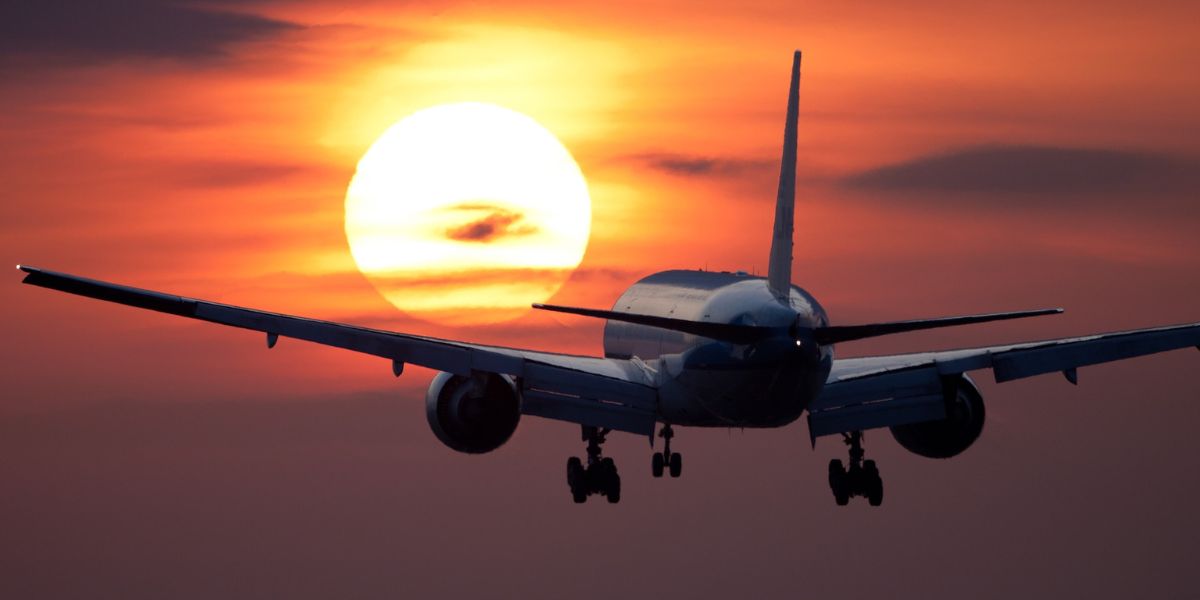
[779, 269]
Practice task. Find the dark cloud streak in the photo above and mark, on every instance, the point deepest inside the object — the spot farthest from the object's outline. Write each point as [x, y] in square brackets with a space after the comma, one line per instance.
[499, 223]
[232, 173]
[86, 32]
[1032, 170]
[701, 166]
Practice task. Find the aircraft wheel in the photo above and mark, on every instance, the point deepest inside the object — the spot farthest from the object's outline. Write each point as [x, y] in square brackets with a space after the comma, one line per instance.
[676, 464]
[839, 482]
[574, 472]
[873, 483]
[656, 464]
[576, 480]
[614, 489]
[609, 482]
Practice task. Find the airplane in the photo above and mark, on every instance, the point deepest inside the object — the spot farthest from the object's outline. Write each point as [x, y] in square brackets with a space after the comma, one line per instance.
[696, 349]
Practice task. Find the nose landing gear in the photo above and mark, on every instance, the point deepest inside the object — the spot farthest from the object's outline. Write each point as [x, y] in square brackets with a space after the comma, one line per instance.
[666, 459]
[599, 476]
[861, 479]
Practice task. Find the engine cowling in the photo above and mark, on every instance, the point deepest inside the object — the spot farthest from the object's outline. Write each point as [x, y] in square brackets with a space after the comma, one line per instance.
[952, 435]
[474, 414]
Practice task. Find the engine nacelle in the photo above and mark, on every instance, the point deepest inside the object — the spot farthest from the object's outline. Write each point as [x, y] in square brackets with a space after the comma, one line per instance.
[474, 414]
[949, 436]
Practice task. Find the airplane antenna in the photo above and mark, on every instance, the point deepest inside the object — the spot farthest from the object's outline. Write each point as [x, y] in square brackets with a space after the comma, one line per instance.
[779, 269]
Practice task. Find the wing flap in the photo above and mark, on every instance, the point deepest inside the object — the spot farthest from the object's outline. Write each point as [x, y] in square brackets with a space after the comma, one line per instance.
[873, 415]
[884, 400]
[1016, 361]
[436, 355]
[558, 393]
[1062, 356]
[884, 391]
[580, 389]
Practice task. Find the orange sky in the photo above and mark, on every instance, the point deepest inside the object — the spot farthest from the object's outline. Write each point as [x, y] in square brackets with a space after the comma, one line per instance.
[216, 167]
[955, 157]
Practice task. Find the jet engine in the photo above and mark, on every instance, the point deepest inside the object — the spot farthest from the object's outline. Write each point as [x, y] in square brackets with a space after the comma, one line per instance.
[952, 435]
[475, 414]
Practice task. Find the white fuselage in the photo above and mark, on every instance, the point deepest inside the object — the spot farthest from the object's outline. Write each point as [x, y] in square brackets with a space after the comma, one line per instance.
[720, 384]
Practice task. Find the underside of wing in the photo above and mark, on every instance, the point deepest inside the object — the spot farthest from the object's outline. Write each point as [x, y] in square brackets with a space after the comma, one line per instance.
[600, 392]
[885, 391]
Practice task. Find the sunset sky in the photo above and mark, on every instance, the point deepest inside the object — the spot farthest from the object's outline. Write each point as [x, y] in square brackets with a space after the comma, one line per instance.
[952, 159]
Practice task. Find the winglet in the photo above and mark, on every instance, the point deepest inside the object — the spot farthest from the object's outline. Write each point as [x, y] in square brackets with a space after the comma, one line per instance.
[779, 267]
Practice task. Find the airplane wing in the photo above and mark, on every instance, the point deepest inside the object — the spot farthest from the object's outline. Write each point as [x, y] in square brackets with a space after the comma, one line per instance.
[884, 391]
[601, 392]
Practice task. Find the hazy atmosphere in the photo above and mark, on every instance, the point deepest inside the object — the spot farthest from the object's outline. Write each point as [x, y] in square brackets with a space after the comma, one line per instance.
[952, 160]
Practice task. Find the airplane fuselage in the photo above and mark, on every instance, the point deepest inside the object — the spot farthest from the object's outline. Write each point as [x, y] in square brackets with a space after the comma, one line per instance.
[709, 383]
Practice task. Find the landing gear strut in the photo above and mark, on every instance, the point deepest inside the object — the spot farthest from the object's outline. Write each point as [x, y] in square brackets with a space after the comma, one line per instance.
[600, 474]
[861, 479]
[672, 461]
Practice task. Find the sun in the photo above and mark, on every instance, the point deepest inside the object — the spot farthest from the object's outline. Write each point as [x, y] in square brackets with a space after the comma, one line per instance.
[466, 213]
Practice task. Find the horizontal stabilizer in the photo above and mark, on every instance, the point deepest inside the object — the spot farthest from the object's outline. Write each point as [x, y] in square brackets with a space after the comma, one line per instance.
[725, 332]
[846, 333]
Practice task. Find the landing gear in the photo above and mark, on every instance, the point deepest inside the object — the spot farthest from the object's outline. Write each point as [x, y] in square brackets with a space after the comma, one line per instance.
[671, 461]
[861, 479]
[599, 476]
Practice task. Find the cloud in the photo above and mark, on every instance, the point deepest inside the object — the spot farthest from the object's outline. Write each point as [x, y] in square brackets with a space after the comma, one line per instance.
[496, 224]
[1032, 170]
[471, 278]
[701, 166]
[219, 174]
[86, 32]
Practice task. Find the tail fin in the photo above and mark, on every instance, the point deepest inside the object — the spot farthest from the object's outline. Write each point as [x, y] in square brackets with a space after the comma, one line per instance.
[779, 269]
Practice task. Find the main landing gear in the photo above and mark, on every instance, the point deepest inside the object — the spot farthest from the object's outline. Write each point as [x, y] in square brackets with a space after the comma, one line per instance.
[671, 461]
[600, 474]
[862, 479]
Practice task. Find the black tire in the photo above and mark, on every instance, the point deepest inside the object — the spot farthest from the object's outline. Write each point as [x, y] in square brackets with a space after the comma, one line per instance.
[875, 496]
[614, 489]
[656, 464]
[606, 474]
[676, 464]
[574, 471]
[575, 480]
[874, 483]
[608, 468]
[839, 482]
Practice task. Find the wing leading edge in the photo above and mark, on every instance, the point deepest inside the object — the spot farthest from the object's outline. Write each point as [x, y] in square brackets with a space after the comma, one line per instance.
[601, 392]
[883, 391]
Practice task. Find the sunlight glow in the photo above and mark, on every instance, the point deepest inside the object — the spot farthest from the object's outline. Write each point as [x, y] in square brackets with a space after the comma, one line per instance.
[467, 213]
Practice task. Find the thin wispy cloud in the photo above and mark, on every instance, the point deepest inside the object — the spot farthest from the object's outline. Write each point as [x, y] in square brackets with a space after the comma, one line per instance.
[496, 224]
[1023, 170]
[702, 166]
[85, 32]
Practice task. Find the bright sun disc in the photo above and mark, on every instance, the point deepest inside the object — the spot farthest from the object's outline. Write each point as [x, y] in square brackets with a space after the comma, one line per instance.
[467, 213]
